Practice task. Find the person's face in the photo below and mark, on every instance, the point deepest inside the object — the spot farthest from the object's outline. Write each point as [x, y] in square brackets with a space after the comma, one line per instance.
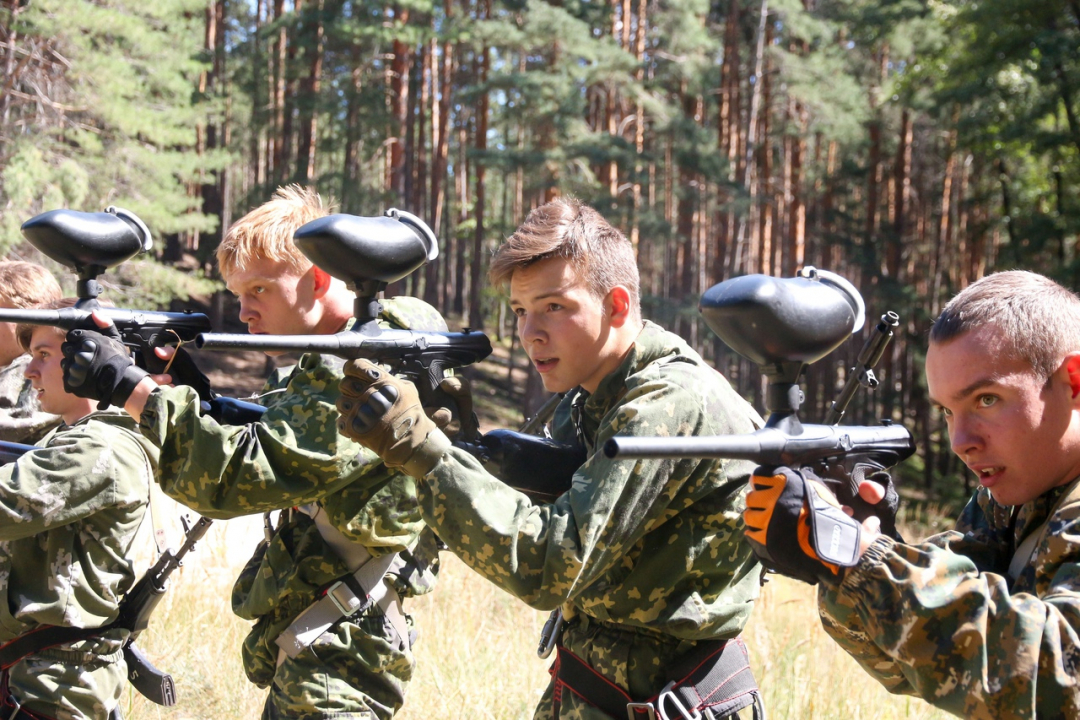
[47, 378]
[9, 344]
[563, 327]
[274, 299]
[1018, 434]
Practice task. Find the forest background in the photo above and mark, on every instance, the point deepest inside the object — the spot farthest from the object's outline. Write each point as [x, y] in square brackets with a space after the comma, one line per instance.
[910, 145]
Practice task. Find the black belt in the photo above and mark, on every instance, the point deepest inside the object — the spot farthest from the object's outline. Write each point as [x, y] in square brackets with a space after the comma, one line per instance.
[715, 677]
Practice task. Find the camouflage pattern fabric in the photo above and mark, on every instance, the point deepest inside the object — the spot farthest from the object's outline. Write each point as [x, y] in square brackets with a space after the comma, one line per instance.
[651, 546]
[942, 620]
[291, 457]
[634, 658]
[68, 516]
[21, 420]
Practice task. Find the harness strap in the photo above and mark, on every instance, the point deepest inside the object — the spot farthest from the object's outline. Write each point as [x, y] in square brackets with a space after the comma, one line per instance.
[715, 678]
[42, 638]
[11, 709]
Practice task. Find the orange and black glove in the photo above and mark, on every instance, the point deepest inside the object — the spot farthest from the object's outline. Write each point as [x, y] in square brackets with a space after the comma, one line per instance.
[796, 526]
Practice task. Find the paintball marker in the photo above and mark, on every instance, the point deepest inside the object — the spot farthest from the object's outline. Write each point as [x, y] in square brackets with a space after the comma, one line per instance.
[89, 244]
[368, 253]
[12, 451]
[784, 325]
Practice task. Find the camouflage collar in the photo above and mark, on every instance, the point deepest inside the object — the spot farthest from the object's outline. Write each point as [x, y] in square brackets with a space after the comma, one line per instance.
[652, 343]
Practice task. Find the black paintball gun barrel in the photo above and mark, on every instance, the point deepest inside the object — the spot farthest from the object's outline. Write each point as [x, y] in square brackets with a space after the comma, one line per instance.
[368, 253]
[12, 451]
[783, 325]
[139, 604]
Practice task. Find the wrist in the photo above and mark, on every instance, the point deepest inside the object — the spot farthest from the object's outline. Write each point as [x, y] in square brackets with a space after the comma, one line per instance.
[136, 401]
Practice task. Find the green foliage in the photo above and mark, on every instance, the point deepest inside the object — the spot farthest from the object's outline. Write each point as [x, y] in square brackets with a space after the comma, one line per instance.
[126, 131]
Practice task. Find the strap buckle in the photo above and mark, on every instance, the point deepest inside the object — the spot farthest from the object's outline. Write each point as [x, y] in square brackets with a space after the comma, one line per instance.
[344, 599]
[632, 709]
[668, 693]
[18, 706]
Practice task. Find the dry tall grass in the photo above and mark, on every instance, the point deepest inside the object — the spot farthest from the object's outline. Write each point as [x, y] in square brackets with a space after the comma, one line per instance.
[476, 655]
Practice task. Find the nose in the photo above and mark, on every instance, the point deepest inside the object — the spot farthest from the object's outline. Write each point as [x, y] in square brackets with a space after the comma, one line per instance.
[964, 437]
[529, 329]
[248, 314]
[31, 371]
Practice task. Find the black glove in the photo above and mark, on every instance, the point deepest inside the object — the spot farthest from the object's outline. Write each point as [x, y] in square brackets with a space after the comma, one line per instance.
[796, 526]
[97, 366]
[885, 510]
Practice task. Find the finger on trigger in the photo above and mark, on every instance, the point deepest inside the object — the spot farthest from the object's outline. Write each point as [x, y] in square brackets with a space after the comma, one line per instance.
[871, 492]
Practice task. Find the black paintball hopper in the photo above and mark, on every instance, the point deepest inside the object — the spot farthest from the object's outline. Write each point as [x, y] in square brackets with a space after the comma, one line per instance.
[81, 239]
[772, 320]
[88, 243]
[363, 249]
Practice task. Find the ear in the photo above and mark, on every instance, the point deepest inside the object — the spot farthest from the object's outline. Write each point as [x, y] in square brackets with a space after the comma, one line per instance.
[1072, 367]
[618, 306]
[322, 281]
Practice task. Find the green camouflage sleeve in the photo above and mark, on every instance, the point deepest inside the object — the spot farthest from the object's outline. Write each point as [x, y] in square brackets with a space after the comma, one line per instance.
[546, 554]
[925, 620]
[292, 456]
[71, 478]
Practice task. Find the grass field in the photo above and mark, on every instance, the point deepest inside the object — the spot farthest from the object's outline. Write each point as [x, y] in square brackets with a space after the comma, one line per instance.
[476, 656]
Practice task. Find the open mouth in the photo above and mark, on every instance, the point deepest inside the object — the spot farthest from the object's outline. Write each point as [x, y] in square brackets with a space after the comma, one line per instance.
[544, 364]
[988, 475]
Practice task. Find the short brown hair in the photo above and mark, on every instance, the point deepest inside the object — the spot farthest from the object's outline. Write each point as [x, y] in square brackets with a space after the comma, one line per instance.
[26, 285]
[267, 231]
[1039, 319]
[568, 228]
[24, 332]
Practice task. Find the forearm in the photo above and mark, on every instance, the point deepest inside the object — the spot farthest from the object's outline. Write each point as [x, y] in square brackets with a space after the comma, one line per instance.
[136, 402]
[959, 638]
[226, 471]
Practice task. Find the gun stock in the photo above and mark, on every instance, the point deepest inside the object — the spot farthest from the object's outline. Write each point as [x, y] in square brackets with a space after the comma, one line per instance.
[10, 451]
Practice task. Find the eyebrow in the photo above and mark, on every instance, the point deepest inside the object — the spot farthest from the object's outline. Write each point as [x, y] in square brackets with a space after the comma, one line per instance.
[969, 389]
[249, 281]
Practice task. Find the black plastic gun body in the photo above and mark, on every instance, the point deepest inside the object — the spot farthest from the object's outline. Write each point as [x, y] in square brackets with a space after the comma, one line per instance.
[10, 451]
[783, 326]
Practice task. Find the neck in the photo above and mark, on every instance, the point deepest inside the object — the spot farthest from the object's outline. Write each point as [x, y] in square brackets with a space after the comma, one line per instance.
[619, 346]
[78, 412]
[337, 310]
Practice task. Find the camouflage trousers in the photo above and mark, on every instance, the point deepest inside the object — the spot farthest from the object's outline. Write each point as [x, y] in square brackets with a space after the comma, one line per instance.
[635, 659]
[70, 686]
[359, 672]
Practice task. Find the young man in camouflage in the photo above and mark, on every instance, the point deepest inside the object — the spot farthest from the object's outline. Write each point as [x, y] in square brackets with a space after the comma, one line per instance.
[341, 505]
[69, 512]
[645, 559]
[22, 285]
[982, 621]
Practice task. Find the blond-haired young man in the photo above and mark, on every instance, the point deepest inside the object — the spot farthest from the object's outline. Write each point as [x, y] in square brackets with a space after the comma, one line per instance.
[22, 285]
[982, 621]
[69, 513]
[646, 560]
[345, 512]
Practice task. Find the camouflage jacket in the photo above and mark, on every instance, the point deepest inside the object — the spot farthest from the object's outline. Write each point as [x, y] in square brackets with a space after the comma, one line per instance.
[21, 420]
[654, 543]
[70, 511]
[292, 456]
[943, 619]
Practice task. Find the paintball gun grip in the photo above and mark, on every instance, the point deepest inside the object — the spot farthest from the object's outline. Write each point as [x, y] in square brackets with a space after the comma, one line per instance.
[154, 684]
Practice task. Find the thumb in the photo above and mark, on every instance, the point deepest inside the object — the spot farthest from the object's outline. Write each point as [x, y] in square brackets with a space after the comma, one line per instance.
[165, 353]
[871, 492]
